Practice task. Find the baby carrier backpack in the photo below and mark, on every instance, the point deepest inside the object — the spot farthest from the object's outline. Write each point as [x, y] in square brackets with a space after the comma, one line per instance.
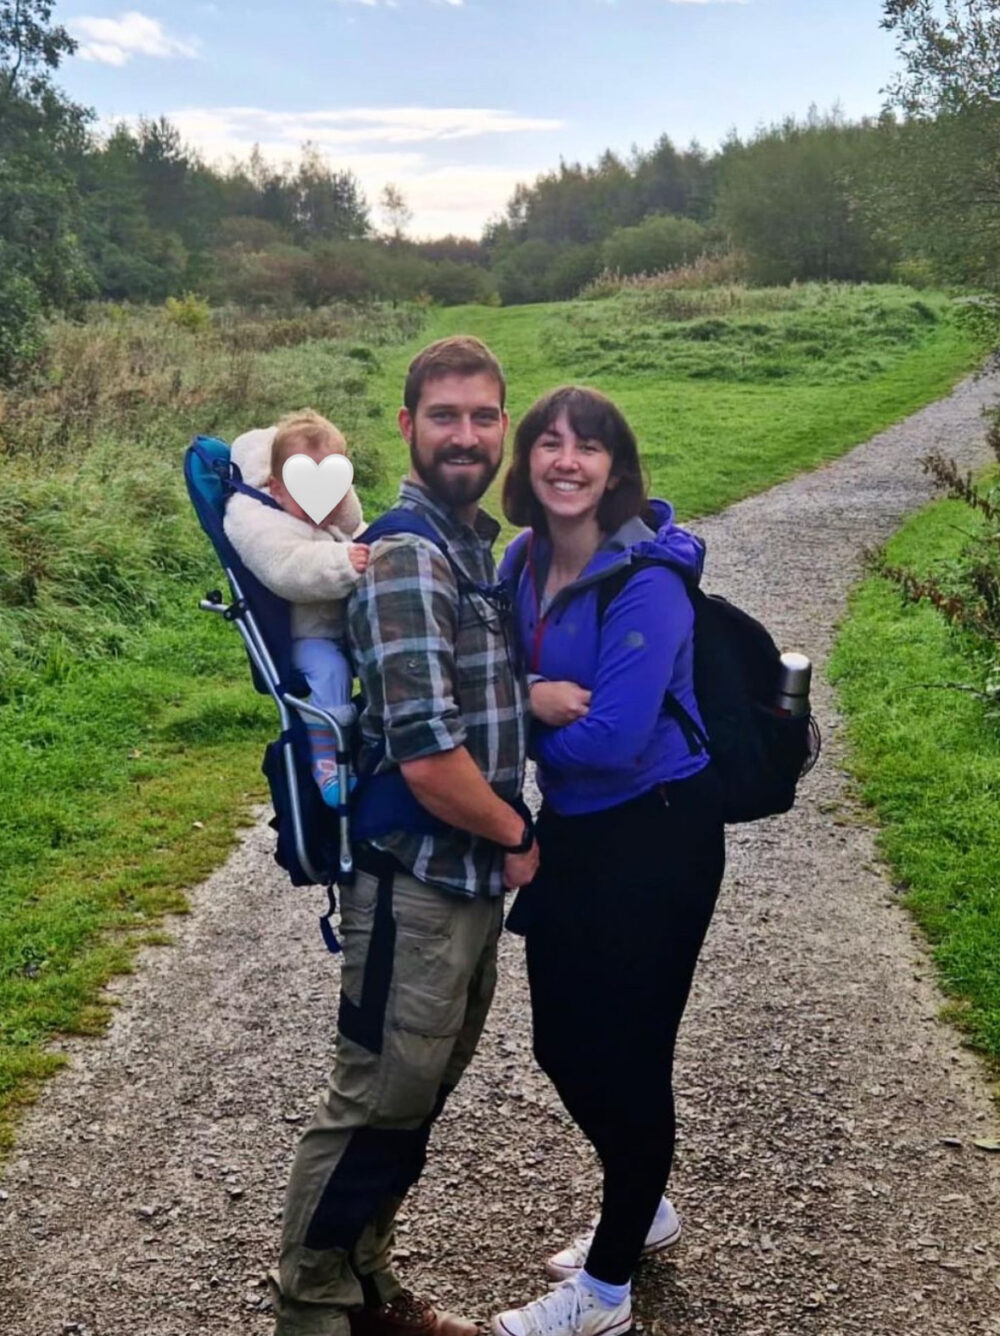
[313, 843]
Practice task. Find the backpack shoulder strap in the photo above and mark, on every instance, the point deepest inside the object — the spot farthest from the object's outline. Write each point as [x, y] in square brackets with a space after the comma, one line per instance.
[400, 520]
[521, 549]
[608, 590]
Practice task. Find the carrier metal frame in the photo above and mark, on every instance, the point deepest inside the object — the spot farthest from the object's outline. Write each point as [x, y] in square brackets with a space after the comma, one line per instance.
[238, 612]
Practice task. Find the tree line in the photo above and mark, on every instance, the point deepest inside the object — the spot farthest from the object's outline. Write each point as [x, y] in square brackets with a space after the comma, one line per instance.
[136, 215]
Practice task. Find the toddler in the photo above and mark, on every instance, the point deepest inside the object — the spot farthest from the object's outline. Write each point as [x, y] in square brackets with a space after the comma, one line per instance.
[314, 566]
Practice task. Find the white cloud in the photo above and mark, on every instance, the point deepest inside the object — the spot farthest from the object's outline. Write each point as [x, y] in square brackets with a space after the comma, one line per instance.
[116, 41]
[343, 127]
[708, 2]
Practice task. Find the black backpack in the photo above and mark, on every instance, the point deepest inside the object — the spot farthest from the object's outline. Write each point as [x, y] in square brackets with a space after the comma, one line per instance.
[760, 754]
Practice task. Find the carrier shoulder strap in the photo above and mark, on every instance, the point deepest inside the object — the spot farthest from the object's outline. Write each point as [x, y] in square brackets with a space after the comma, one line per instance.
[402, 520]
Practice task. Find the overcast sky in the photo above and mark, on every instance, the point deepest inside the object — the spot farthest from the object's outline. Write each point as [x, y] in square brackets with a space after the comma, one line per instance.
[455, 101]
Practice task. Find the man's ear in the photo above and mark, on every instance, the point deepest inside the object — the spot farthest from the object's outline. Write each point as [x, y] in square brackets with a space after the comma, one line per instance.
[405, 419]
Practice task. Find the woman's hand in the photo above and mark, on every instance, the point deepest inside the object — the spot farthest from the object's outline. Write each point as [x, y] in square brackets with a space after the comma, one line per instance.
[558, 703]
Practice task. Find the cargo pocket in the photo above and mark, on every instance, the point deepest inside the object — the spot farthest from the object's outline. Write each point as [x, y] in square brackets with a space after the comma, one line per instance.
[427, 1007]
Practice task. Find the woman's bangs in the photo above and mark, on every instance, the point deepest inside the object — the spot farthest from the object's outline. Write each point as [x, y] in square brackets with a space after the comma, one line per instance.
[590, 419]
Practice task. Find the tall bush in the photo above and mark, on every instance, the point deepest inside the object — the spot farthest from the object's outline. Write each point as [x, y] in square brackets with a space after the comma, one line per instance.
[663, 241]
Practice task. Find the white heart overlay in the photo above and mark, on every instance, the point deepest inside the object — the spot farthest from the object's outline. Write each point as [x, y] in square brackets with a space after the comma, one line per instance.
[317, 488]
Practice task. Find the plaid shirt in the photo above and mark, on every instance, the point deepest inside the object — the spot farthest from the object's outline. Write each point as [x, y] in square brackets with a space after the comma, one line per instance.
[419, 651]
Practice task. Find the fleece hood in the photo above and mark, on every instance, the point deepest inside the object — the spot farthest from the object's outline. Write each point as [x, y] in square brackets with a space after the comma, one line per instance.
[668, 542]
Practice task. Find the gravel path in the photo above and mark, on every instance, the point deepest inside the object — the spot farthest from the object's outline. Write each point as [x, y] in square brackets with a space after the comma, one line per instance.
[825, 1173]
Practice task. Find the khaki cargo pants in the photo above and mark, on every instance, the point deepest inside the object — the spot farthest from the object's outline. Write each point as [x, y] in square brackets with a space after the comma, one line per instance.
[418, 975]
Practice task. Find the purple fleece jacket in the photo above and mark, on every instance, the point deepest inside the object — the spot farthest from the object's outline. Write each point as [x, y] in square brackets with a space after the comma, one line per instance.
[644, 647]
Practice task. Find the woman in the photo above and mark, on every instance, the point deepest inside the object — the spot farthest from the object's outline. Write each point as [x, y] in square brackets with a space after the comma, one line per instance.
[630, 832]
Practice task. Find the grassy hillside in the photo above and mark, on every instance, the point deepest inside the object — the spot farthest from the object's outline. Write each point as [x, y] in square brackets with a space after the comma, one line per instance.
[130, 738]
[729, 390]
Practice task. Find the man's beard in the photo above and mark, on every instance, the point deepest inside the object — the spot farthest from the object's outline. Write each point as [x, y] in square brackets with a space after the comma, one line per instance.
[458, 489]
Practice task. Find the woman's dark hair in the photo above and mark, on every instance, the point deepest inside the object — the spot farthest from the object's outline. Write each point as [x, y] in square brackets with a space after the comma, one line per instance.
[593, 417]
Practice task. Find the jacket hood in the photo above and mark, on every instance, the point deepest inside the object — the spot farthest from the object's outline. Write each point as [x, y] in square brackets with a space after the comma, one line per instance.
[667, 542]
[251, 453]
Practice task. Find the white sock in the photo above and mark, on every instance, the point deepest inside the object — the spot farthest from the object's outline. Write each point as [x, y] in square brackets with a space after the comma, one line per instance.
[608, 1296]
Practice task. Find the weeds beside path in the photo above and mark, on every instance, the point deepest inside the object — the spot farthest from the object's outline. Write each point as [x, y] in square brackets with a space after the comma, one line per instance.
[827, 1173]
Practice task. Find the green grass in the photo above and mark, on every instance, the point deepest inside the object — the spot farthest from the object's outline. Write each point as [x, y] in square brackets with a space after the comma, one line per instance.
[928, 761]
[122, 784]
[126, 716]
[714, 422]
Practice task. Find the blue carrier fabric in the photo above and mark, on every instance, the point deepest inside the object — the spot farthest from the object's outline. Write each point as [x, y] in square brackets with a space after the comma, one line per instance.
[211, 478]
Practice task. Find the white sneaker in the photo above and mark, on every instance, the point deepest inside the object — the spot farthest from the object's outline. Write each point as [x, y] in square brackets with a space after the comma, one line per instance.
[570, 1261]
[570, 1309]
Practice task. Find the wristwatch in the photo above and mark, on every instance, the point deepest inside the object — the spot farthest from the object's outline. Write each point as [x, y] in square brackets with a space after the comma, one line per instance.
[527, 839]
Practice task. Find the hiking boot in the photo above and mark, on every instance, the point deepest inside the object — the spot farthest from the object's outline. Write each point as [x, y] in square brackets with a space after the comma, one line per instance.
[569, 1309]
[408, 1315]
[570, 1261]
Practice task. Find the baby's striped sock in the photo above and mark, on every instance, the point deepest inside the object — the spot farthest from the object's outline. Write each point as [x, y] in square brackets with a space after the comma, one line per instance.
[323, 747]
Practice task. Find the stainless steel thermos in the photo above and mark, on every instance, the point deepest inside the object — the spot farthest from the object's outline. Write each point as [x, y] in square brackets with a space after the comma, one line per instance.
[793, 685]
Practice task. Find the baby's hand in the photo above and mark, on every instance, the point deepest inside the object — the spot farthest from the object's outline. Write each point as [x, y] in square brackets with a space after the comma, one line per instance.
[357, 555]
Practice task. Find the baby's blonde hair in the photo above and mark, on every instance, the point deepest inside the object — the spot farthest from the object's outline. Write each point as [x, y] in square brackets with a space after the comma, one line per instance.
[305, 431]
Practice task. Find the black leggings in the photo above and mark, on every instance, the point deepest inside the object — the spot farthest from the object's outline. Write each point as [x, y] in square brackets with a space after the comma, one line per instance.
[614, 923]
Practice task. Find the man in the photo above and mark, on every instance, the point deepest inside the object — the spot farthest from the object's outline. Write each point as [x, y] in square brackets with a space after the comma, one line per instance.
[420, 925]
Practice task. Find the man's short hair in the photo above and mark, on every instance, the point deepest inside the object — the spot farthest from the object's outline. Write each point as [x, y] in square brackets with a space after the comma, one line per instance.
[459, 355]
[306, 431]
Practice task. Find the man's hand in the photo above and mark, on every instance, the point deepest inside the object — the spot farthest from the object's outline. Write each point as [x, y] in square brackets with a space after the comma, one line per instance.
[519, 869]
[357, 555]
[558, 703]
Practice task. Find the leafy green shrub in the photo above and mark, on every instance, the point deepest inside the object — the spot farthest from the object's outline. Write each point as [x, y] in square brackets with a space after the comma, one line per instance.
[21, 336]
[454, 284]
[915, 273]
[189, 311]
[658, 243]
